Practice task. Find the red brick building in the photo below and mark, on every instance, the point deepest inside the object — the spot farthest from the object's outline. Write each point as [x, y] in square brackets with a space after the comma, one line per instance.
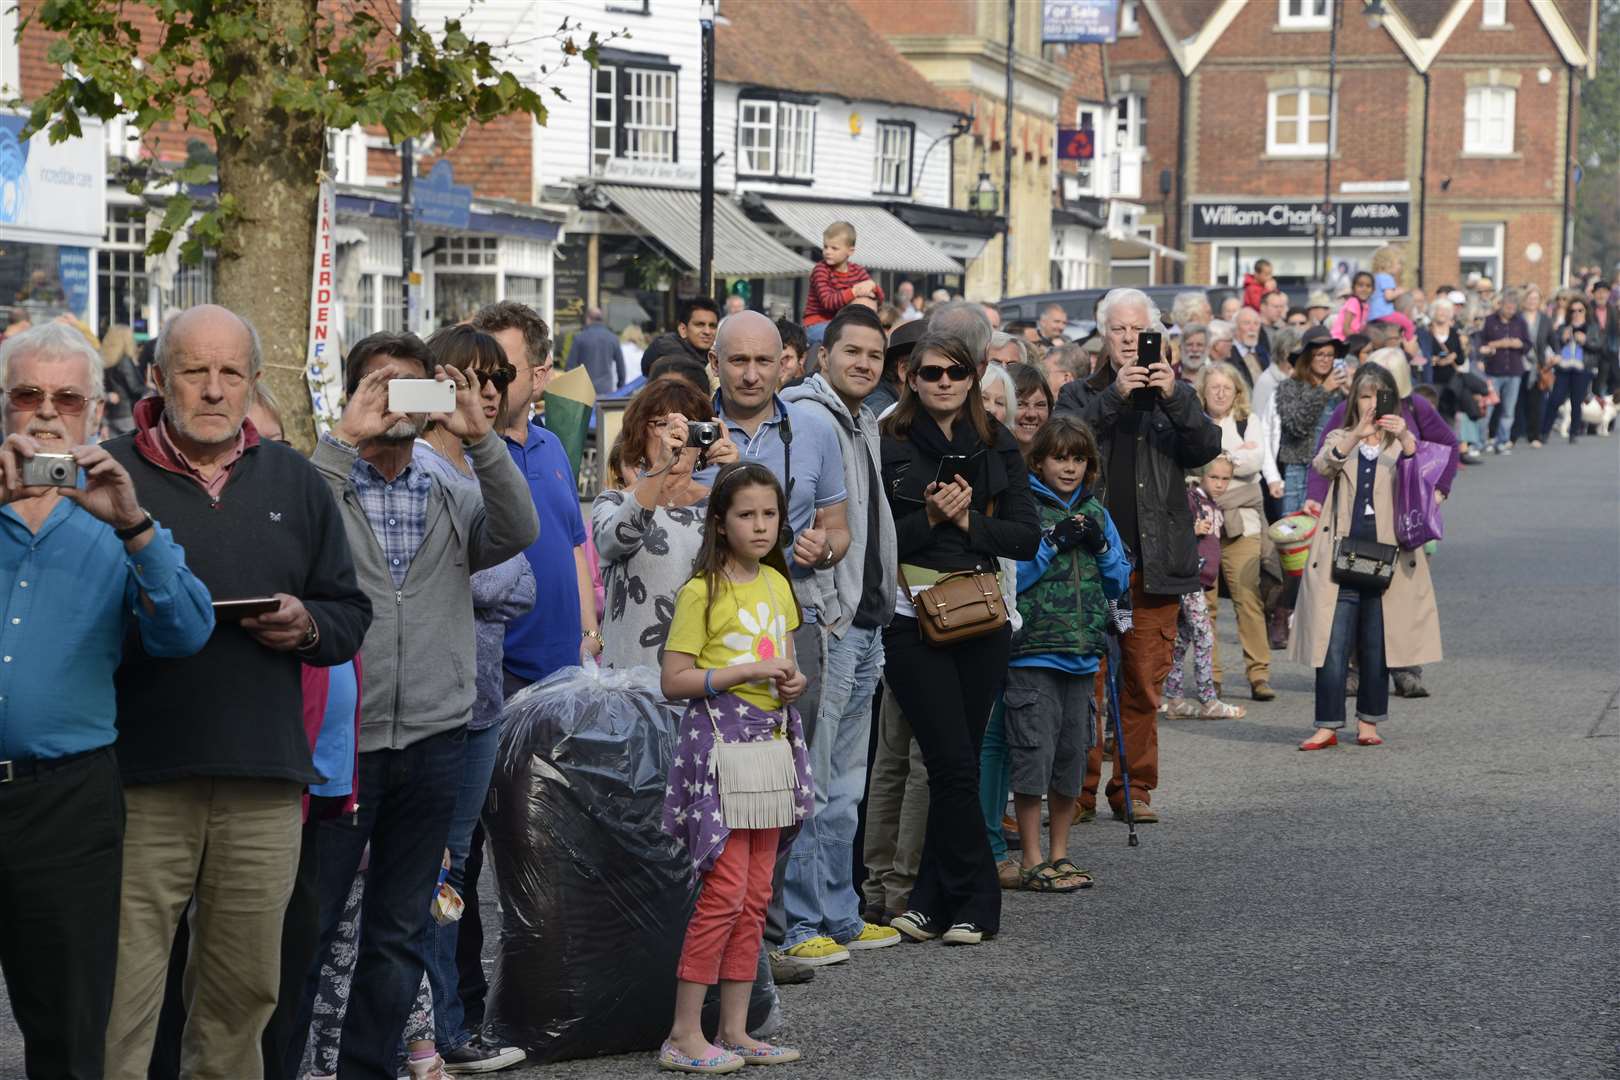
[1451, 125]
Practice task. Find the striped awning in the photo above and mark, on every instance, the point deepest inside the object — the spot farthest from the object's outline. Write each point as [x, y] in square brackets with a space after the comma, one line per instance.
[882, 241]
[670, 215]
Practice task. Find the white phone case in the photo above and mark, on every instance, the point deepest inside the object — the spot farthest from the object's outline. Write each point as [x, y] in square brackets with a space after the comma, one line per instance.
[421, 396]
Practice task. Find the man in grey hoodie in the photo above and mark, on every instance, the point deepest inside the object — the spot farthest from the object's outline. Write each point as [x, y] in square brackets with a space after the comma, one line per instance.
[416, 541]
[855, 600]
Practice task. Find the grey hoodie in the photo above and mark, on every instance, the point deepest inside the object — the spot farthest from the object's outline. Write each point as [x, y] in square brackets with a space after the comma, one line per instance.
[835, 593]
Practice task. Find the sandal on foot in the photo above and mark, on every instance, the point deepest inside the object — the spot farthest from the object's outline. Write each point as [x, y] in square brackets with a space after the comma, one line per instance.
[1043, 877]
[1220, 710]
[1066, 869]
[763, 1054]
[671, 1059]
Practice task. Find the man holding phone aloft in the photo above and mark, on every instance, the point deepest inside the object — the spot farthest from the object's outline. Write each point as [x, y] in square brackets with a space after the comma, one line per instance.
[212, 748]
[1151, 431]
[417, 541]
[80, 568]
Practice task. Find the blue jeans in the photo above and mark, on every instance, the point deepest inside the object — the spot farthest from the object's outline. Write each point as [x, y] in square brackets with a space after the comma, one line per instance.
[1296, 486]
[1507, 387]
[407, 798]
[1569, 385]
[817, 891]
[449, 1029]
[1358, 627]
[995, 778]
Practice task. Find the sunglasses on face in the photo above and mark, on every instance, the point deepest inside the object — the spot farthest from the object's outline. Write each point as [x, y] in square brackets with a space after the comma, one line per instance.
[501, 377]
[67, 402]
[932, 373]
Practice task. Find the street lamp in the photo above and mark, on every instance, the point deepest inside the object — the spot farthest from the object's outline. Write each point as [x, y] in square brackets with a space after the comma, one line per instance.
[1375, 12]
[983, 199]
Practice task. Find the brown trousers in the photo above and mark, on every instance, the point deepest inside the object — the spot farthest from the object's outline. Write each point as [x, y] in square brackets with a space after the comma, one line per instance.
[1240, 566]
[1146, 653]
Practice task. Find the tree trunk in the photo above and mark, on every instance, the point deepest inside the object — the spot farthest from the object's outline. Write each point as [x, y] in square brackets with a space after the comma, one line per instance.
[270, 161]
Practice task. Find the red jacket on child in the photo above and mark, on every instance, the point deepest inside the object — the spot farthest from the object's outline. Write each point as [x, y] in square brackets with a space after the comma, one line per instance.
[831, 289]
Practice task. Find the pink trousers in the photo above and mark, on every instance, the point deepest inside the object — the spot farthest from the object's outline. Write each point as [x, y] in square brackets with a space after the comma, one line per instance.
[723, 935]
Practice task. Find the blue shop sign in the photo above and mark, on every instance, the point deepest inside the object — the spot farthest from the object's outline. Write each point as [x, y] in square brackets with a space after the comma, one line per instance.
[441, 201]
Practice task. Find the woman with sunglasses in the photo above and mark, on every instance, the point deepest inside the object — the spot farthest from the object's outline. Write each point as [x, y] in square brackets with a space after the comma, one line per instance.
[1579, 345]
[960, 495]
[500, 594]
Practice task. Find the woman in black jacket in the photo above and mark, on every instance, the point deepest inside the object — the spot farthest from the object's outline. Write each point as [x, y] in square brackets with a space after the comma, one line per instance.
[960, 496]
[1578, 344]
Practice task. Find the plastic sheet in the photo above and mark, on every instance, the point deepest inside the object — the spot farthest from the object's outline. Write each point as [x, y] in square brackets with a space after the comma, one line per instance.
[594, 896]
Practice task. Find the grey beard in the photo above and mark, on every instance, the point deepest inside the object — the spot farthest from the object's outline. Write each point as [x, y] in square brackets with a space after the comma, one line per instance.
[404, 431]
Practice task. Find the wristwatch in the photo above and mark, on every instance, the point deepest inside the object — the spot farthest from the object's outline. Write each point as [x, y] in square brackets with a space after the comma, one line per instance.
[312, 636]
[146, 522]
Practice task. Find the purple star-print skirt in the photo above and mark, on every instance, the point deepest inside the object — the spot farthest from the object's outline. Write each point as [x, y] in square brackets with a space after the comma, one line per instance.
[692, 811]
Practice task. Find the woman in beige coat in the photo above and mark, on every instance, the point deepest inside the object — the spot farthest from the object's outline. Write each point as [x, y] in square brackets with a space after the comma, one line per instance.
[1397, 627]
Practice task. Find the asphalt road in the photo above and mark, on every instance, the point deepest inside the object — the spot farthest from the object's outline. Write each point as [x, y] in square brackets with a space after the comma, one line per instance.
[1443, 906]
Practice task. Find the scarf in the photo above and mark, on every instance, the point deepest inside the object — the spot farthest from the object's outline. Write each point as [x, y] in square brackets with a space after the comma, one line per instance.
[986, 470]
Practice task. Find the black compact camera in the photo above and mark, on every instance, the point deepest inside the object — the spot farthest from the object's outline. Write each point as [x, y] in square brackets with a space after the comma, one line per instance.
[702, 433]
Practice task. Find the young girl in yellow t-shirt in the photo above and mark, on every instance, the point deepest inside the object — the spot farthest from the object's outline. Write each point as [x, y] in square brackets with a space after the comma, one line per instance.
[739, 779]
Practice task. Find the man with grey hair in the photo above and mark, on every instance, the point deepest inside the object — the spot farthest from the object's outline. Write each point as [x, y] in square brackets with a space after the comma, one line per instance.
[1191, 306]
[965, 320]
[992, 314]
[599, 351]
[1004, 349]
[1252, 352]
[1148, 443]
[89, 574]
[1065, 364]
[1050, 325]
[215, 798]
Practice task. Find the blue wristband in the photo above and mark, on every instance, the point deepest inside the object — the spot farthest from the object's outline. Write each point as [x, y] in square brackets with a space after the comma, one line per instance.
[708, 682]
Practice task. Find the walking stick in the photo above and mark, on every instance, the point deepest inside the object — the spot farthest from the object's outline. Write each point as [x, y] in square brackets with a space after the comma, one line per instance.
[1119, 748]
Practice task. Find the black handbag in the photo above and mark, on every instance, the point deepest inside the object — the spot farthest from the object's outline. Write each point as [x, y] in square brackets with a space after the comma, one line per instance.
[1367, 565]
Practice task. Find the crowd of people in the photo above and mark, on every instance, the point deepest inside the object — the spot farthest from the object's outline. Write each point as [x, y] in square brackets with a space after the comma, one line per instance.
[897, 572]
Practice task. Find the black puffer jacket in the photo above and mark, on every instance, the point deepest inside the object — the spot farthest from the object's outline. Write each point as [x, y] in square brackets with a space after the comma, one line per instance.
[1177, 437]
[998, 473]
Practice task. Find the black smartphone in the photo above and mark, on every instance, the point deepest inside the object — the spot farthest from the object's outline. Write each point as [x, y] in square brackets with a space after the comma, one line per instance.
[950, 467]
[1149, 350]
[237, 610]
[1387, 403]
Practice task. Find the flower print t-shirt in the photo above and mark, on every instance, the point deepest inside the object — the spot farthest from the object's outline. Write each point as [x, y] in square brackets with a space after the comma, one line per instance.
[750, 622]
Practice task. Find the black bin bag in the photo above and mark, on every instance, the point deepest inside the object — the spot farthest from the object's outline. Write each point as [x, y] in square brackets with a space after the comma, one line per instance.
[594, 896]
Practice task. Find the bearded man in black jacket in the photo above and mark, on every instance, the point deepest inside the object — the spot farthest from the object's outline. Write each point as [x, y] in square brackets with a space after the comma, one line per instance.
[1147, 449]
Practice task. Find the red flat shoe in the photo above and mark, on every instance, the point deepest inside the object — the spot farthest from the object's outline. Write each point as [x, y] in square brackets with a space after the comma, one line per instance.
[1331, 740]
[1369, 740]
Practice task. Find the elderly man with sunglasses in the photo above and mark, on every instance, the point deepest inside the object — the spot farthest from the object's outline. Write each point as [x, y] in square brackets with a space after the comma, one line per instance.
[82, 568]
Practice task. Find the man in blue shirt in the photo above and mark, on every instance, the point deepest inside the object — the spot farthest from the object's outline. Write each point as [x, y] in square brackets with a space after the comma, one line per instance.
[78, 568]
[600, 352]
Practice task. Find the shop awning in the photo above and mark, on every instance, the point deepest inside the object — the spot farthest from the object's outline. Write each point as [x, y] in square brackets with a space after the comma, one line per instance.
[670, 215]
[883, 241]
[1137, 247]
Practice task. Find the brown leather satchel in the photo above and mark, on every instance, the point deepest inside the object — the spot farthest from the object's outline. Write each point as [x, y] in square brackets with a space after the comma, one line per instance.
[1546, 377]
[959, 607]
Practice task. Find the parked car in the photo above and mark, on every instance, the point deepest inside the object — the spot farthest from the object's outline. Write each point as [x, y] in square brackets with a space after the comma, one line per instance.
[1081, 304]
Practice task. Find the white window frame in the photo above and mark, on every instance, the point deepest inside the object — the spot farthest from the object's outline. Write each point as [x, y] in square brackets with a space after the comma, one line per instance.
[607, 76]
[796, 140]
[1305, 14]
[469, 253]
[756, 136]
[891, 164]
[1493, 14]
[1302, 146]
[1492, 251]
[1488, 119]
[650, 114]
[1132, 135]
[1130, 21]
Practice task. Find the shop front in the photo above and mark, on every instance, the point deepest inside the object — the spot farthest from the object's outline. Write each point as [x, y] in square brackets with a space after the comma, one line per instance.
[53, 213]
[1236, 232]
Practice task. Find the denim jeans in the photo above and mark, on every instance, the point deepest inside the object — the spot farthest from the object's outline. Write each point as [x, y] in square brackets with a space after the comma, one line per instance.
[1296, 482]
[449, 1028]
[1507, 388]
[1358, 628]
[817, 890]
[995, 779]
[407, 798]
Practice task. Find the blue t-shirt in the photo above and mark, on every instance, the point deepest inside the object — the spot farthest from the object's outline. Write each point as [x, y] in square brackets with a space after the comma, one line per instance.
[1377, 306]
[546, 638]
[334, 746]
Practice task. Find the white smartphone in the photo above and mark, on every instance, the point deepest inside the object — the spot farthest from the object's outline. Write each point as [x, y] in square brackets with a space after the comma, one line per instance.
[421, 396]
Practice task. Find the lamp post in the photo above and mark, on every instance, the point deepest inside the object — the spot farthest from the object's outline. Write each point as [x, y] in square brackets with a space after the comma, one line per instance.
[706, 167]
[407, 198]
[1374, 12]
[1006, 148]
[983, 198]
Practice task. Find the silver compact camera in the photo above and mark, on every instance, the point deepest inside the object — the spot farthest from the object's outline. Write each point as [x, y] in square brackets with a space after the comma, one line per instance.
[702, 433]
[50, 470]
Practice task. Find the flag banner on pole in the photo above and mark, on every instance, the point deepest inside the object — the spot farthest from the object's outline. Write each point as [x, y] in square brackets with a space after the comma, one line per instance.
[323, 361]
[569, 401]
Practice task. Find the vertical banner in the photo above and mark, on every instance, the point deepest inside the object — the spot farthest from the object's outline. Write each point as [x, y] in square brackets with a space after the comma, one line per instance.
[323, 364]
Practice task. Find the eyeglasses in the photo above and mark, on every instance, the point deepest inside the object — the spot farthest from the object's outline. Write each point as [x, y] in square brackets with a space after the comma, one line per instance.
[501, 377]
[932, 373]
[67, 402]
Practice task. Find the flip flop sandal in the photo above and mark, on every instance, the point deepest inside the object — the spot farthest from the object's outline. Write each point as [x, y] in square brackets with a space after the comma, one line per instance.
[1042, 877]
[1066, 868]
